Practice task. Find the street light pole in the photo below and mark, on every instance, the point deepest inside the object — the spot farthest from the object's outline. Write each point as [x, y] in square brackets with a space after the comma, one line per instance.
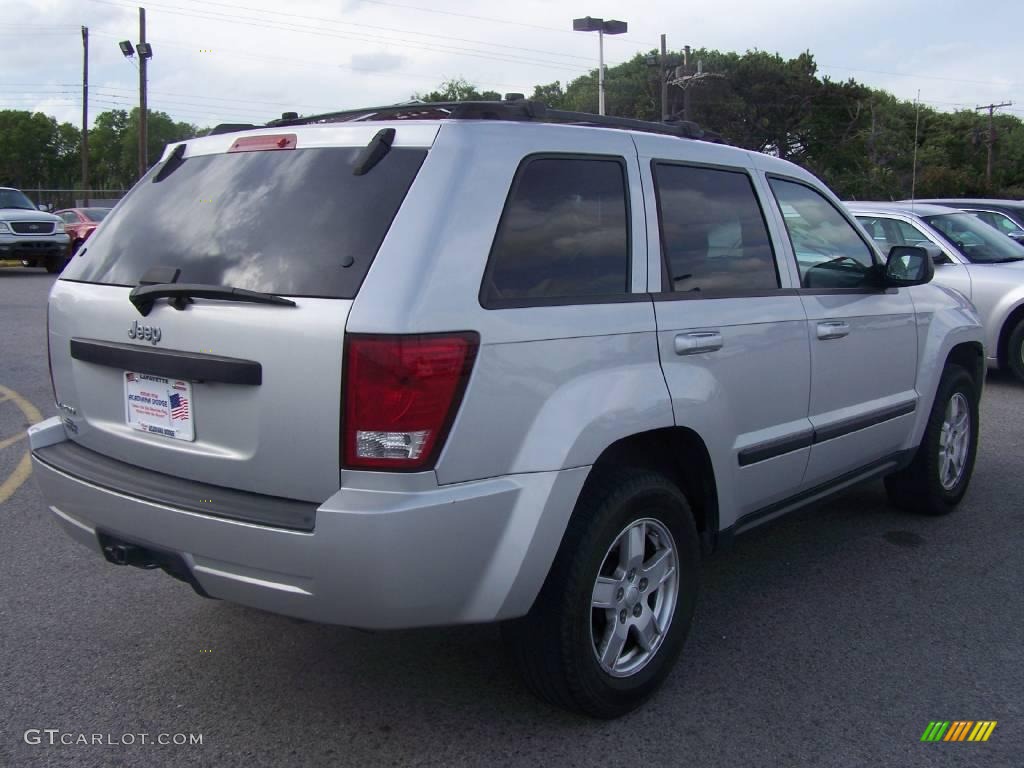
[143, 106]
[602, 27]
[145, 51]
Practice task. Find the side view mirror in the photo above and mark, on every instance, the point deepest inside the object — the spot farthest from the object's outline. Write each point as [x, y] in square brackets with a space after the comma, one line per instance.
[43, 207]
[908, 265]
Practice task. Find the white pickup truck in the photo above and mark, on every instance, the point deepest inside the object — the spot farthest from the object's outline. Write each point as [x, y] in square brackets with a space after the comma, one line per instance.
[34, 237]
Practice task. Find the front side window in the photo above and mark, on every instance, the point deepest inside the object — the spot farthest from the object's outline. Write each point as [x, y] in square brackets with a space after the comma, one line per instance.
[829, 252]
[1000, 221]
[564, 233]
[887, 232]
[975, 239]
[713, 236]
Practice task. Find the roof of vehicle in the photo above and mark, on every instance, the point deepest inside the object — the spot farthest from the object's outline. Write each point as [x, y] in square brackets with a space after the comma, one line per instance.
[420, 132]
[417, 125]
[79, 209]
[516, 110]
[950, 201]
[917, 208]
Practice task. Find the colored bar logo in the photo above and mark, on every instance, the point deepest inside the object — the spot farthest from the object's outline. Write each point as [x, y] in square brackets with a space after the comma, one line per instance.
[958, 730]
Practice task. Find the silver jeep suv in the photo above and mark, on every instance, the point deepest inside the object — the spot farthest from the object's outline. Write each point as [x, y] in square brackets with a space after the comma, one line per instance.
[489, 362]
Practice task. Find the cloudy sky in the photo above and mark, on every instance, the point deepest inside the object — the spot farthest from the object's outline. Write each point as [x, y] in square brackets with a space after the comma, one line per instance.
[249, 60]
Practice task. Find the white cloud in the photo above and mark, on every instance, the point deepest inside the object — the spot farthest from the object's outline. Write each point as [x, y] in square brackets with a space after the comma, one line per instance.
[249, 60]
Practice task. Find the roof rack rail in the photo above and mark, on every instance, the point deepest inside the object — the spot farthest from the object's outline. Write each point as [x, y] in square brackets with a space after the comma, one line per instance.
[517, 110]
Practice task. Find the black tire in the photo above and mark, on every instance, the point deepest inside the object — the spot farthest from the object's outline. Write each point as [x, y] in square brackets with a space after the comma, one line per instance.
[55, 264]
[552, 645]
[919, 487]
[1015, 351]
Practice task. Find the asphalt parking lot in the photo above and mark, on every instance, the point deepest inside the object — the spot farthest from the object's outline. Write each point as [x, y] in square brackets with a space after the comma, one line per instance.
[830, 638]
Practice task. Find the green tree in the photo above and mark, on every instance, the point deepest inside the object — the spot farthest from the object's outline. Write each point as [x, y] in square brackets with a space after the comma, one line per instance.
[114, 144]
[36, 151]
[458, 89]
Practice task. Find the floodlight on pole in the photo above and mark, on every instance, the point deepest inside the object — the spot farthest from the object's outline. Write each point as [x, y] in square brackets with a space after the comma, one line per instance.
[602, 27]
[145, 51]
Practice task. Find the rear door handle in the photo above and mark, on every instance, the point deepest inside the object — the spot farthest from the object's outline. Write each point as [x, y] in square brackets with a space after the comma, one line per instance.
[695, 342]
[833, 329]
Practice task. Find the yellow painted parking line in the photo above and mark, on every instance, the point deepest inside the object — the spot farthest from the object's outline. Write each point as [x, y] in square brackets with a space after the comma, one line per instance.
[12, 440]
[21, 472]
[16, 478]
[31, 412]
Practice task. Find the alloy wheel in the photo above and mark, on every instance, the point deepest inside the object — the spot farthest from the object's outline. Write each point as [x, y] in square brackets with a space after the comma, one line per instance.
[634, 597]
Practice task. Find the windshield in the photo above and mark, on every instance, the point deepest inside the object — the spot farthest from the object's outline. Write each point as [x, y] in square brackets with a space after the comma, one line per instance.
[297, 223]
[95, 214]
[975, 239]
[12, 198]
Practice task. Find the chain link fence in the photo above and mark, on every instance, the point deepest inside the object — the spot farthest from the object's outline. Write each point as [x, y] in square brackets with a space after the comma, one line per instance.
[55, 199]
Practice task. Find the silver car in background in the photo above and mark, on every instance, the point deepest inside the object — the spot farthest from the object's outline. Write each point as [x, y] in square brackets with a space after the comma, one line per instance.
[972, 257]
[1005, 215]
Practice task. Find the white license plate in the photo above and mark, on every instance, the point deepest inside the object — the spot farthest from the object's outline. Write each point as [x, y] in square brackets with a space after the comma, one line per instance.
[159, 406]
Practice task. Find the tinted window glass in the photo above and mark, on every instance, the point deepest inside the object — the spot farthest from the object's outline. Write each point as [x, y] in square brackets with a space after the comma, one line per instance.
[714, 238]
[888, 232]
[96, 214]
[975, 239]
[563, 233]
[828, 249]
[12, 198]
[1000, 221]
[281, 222]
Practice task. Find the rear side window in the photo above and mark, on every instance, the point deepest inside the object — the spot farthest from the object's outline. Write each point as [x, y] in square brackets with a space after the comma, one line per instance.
[563, 235]
[713, 235]
[283, 222]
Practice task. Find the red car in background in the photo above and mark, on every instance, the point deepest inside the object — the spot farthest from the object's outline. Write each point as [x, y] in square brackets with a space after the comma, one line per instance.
[80, 222]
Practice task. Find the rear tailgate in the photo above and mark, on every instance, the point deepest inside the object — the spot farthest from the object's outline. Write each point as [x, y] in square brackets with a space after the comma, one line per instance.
[278, 437]
[251, 392]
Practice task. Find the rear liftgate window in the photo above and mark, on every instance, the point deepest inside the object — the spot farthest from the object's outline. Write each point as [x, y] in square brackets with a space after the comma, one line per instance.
[563, 234]
[295, 222]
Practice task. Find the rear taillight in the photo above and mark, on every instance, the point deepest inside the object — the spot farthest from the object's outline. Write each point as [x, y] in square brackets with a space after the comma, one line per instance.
[401, 395]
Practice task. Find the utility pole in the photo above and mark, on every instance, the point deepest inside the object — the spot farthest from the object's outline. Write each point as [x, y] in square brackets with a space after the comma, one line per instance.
[85, 111]
[686, 91]
[991, 137]
[685, 80]
[664, 80]
[143, 109]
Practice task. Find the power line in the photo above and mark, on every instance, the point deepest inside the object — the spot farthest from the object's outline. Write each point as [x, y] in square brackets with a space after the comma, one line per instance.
[323, 19]
[314, 64]
[422, 45]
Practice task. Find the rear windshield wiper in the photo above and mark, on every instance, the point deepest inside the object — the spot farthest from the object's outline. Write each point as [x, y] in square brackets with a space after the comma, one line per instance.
[144, 296]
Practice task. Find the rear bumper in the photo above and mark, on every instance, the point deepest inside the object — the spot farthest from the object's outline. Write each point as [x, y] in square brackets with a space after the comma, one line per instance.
[377, 559]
